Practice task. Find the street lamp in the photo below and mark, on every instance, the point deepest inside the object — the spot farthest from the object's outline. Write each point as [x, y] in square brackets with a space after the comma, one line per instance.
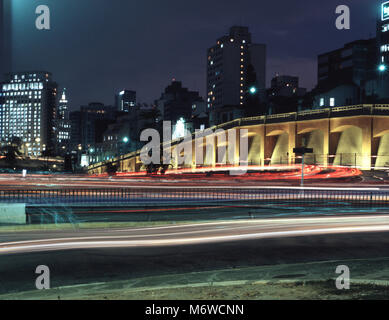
[125, 139]
[253, 90]
[303, 151]
[382, 67]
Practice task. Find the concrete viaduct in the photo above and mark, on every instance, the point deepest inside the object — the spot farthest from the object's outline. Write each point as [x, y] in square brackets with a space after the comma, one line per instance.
[350, 136]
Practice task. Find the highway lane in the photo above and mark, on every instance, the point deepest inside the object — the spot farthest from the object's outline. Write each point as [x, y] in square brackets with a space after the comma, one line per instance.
[192, 234]
[9, 181]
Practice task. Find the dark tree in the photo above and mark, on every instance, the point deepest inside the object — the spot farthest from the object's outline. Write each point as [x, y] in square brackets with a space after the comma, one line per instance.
[111, 169]
[12, 151]
[68, 163]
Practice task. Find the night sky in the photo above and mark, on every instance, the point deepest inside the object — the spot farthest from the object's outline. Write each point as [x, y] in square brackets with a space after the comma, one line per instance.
[98, 47]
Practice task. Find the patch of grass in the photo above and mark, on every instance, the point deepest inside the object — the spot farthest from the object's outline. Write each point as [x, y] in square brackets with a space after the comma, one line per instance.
[310, 290]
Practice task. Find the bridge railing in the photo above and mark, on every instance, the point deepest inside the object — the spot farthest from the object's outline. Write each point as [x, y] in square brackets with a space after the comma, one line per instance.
[160, 196]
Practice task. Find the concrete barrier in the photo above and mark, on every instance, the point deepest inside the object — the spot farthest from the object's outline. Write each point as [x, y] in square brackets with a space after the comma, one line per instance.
[12, 213]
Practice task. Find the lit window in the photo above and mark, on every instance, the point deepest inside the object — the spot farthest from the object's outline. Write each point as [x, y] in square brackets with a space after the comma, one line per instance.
[321, 102]
[332, 102]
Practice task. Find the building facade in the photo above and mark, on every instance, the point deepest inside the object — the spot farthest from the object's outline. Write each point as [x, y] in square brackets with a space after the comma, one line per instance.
[28, 110]
[286, 86]
[383, 36]
[88, 125]
[123, 136]
[125, 100]
[356, 61]
[63, 127]
[284, 95]
[228, 62]
[176, 102]
[350, 75]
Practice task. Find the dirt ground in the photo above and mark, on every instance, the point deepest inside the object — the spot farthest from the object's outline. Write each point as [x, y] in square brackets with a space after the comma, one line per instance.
[282, 290]
[275, 291]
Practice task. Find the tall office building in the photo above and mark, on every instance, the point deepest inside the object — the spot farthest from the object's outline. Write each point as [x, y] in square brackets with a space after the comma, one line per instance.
[28, 110]
[176, 102]
[89, 124]
[125, 100]
[63, 128]
[356, 62]
[228, 64]
[383, 36]
[358, 72]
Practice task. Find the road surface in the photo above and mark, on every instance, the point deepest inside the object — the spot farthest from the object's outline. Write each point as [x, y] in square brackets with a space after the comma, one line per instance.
[192, 234]
[293, 249]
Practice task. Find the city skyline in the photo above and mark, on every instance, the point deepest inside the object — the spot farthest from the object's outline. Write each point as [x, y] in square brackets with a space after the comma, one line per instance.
[186, 153]
[150, 68]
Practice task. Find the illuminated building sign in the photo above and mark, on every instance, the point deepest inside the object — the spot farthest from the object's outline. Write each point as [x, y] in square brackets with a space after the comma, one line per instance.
[385, 11]
[179, 129]
[385, 48]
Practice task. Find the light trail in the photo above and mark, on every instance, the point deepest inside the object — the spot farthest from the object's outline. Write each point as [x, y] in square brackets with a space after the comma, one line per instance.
[206, 233]
[258, 173]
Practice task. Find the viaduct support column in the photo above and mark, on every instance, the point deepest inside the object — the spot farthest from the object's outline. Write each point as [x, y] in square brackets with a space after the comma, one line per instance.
[366, 147]
[292, 142]
[262, 134]
[326, 144]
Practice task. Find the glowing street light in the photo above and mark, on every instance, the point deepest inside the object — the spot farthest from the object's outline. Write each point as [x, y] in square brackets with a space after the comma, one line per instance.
[382, 68]
[253, 90]
[125, 139]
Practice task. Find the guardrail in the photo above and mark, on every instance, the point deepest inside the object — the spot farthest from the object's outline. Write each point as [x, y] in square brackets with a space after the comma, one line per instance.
[196, 195]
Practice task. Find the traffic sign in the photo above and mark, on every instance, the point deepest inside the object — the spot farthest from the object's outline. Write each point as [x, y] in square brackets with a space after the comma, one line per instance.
[302, 150]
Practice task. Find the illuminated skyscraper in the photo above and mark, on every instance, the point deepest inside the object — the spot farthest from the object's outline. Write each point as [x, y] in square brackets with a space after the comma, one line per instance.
[383, 37]
[28, 110]
[63, 128]
[227, 68]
